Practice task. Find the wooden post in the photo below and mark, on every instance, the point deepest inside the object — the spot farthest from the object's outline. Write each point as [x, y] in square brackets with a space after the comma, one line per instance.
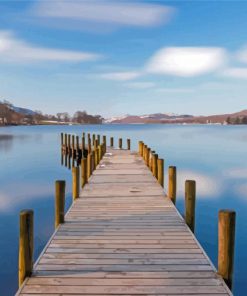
[98, 138]
[25, 245]
[89, 165]
[89, 145]
[69, 143]
[112, 141]
[77, 145]
[76, 182]
[151, 160]
[93, 138]
[161, 171]
[66, 142]
[73, 143]
[61, 139]
[190, 201]
[83, 134]
[104, 140]
[95, 144]
[59, 202]
[83, 172]
[155, 165]
[100, 152]
[147, 151]
[226, 241]
[92, 162]
[141, 148]
[128, 144]
[82, 145]
[120, 143]
[172, 184]
[95, 152]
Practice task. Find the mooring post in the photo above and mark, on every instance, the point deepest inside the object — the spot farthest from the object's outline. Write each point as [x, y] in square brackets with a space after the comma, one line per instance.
[120, 143]
[172, 184]
[147, 156]
[100, 152]
[82, 145]
[89, 148]
[92, 162]
[76, 182]
[89, 165]
[151, 160]
[226, 244]
[73, 144]
[95, 144]
[155, 165]
[66, 143]
[144, 152]
[161, 171]
[98, 138]
[83, 171]
[141, 148]
[112, 142]
[59, 202]
[104, 140]
[25, 245]
[190, 201]
[93, 138]
[95, 154]
[62, 140]
[77, 145]
[128, 144]
[69, 142]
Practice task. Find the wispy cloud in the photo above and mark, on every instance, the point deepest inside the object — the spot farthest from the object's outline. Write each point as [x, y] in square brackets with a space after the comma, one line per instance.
[16, 50]
[109, 12]
[121, 76]
[187, 61]
[235, 72]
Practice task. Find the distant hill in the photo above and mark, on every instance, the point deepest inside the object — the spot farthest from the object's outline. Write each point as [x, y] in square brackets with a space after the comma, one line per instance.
[148, 118]
[174, 118]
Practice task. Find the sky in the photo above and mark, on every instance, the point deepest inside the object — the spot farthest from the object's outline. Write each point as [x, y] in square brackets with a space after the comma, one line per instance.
[114, 57]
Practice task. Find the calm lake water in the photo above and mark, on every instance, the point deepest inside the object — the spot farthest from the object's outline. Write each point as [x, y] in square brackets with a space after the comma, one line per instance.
[215, 156]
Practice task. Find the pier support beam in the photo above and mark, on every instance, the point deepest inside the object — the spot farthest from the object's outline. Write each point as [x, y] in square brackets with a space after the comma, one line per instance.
[161, 171]
[59, 202]
[172, 184]
[226, 242]
[25, 245]
[76, 182]
[190, 201]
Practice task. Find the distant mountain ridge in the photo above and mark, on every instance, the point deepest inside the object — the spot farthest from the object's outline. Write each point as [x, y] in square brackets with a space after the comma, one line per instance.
[174, 118]
[148, 118]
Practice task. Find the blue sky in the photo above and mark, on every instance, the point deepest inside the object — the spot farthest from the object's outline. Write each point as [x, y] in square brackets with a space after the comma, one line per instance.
[124, 57]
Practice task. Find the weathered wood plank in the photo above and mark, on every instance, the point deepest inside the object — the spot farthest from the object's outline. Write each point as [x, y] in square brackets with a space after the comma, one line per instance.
[123, 236]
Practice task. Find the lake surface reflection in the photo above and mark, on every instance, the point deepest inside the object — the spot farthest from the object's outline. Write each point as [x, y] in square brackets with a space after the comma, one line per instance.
[215, 156]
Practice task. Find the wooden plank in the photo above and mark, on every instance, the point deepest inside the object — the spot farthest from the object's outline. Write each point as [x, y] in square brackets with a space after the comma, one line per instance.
[123, 237]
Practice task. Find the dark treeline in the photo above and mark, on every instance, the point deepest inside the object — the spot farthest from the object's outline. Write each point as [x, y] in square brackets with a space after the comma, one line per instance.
[10, 115]
[237, 120]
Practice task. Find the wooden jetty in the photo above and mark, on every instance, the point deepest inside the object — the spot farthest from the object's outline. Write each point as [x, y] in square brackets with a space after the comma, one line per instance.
[124, 236]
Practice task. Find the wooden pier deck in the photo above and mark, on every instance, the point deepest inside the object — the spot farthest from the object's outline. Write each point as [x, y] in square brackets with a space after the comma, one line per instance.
[123, 236]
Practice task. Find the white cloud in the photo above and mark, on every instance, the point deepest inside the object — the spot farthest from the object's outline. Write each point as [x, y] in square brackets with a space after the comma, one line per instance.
[140, 85]
[16, 50]
[121, 76]
[242, 55]
[206, 186]
[121, 13]
[235, 73]
[187, 61]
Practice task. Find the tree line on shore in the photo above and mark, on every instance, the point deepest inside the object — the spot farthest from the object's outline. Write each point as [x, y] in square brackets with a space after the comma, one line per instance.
[10, 115]
[237, 120]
